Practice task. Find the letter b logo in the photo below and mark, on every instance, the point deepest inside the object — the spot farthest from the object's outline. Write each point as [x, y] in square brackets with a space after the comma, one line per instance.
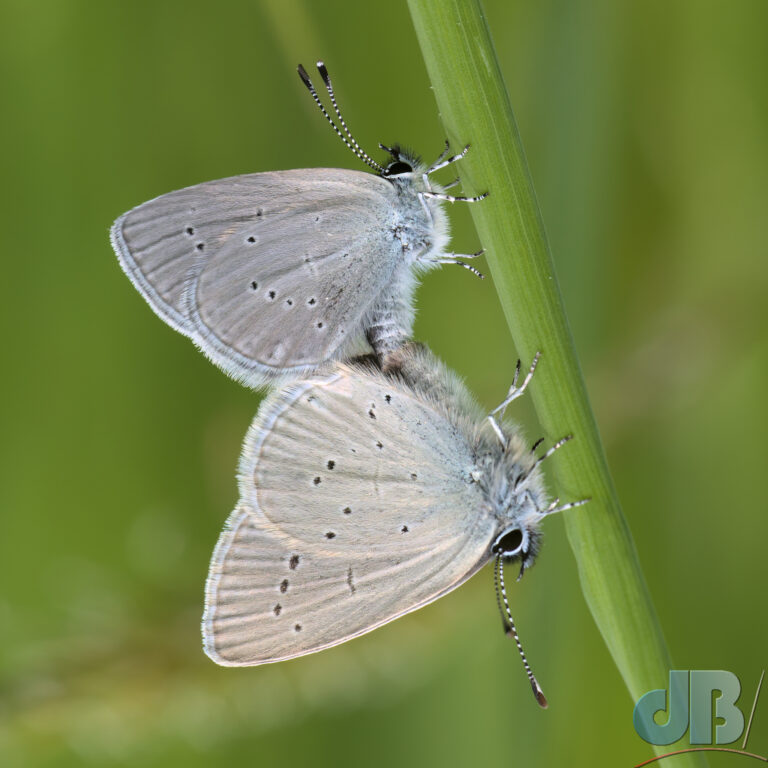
[690, 698]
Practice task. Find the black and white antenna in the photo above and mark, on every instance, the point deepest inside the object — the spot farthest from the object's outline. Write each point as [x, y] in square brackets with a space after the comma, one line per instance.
[350, 142]
[511, 631]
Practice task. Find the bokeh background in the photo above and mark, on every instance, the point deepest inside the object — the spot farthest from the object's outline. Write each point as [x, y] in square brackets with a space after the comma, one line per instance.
[646, 128]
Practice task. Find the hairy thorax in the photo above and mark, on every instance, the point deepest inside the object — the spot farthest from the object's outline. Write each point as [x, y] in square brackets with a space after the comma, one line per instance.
[418, 224]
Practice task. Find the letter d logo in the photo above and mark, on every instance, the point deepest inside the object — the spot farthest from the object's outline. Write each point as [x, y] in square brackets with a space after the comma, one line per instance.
[656, 701]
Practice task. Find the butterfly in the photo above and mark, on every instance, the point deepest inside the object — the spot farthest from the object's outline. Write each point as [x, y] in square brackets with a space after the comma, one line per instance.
[273, 274]
[367, 492]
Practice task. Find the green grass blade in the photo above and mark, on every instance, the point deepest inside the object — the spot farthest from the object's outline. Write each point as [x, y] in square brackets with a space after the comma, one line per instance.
[475, 107]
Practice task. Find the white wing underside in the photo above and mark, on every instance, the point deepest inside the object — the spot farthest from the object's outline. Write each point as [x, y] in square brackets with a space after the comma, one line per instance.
[268, 273]
[356, 507]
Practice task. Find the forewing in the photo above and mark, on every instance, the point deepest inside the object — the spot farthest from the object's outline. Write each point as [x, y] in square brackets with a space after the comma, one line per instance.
[267, 271]
[357, 506]
[290, 288]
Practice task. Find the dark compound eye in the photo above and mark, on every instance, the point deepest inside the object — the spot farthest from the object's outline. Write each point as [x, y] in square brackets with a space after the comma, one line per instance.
[509, 542]
[398, 167]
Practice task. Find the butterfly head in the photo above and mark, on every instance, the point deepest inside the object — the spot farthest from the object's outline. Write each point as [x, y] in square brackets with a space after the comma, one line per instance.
[403, 162]
[518, 542]
[518, 500]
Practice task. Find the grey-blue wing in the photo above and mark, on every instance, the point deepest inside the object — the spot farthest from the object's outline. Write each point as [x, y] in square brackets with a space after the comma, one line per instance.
[357, 505]
[269, 273]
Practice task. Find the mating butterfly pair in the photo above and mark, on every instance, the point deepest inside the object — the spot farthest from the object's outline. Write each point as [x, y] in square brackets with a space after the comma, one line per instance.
[370, 484]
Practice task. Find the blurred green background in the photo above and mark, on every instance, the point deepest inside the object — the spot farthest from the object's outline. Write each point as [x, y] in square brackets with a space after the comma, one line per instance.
[646, 128]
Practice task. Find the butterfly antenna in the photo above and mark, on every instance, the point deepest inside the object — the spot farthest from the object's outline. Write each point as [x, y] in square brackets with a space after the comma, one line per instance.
[509, 628]
[504, 621]
[361, 153]
[357, 151]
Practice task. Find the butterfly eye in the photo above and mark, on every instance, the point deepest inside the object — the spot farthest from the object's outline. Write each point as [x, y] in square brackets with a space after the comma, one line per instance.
[396, 168]
[509, 543]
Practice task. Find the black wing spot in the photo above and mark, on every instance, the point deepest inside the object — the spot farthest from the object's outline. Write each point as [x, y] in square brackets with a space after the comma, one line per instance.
[331, 464]
[330, 535]
[190, 230]
[251, 239]
[254, 286]
[312, 301]
[404, 529]
[320, 325]
[200, 246]
[284, 586]
[276, 610]
[388, 398]
[293, 562]
[347, 510]
[289, 302]
[316, 481]
[297, 627]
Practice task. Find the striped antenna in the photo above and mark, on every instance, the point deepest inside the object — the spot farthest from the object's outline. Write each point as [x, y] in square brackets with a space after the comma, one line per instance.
[311, 88]
[509, 628]
[323, 70]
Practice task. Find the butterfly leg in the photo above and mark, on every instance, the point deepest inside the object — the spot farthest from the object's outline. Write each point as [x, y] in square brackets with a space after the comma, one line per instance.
[452, 199]
[555, 506]
[425, 207]
[521, 478]
[559, 444]
[513, 393]
[452, 258]
[440, 159]
[514, 390]
[443, 161]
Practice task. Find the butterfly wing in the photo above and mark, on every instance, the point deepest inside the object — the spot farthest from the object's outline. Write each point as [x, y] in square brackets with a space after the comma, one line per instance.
[357, 506]
[269, 273]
